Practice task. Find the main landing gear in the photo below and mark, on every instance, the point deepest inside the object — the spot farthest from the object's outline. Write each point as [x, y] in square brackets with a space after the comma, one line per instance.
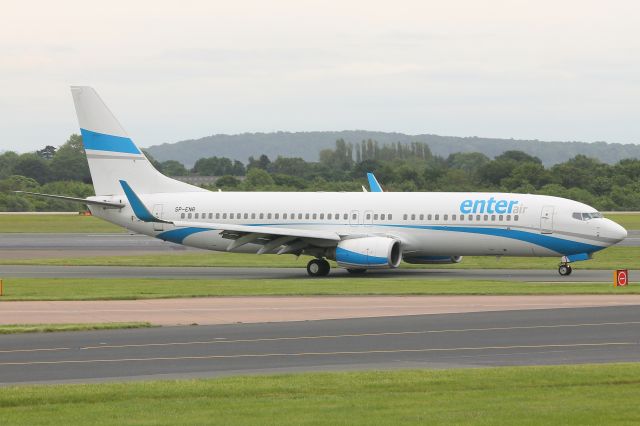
[318, 268]
[564, 269]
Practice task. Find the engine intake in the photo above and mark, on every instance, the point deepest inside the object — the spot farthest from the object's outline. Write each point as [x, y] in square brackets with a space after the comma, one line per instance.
[369, 253]
[433, 260]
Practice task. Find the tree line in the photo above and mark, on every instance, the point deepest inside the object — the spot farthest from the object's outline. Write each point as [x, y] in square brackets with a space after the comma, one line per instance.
[399, 167]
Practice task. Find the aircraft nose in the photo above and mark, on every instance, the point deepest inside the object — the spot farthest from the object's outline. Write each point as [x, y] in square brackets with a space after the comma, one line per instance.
[616, 231]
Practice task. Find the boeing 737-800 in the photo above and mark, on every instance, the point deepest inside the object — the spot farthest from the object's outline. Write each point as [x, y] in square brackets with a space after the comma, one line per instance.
[359, 230]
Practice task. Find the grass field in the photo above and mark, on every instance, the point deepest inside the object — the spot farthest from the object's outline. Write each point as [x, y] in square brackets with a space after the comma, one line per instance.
[84, 224]
[50, 328]
[53, 223]
[568, 395]
[146, 288]
[611, 258]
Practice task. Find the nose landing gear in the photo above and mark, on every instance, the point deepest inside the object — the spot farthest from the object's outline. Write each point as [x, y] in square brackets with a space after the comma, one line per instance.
[318, 267]
[564, 269]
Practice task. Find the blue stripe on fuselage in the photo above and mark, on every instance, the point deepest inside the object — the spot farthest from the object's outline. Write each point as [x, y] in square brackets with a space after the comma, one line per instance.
[559, 245]
[178, 235]
[102, 142]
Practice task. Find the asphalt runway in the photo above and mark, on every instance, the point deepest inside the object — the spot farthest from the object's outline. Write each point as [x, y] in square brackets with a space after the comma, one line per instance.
[524, 275]
[529, 337]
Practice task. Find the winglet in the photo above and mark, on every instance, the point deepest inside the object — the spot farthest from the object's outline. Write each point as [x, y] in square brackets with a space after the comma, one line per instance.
[374, 186]
[138, 207]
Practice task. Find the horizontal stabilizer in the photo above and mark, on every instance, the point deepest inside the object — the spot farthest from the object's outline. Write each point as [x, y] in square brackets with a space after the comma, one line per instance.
[104, 204]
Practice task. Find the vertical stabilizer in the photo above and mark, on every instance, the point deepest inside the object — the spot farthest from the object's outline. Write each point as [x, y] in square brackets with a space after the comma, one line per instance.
[112, 155]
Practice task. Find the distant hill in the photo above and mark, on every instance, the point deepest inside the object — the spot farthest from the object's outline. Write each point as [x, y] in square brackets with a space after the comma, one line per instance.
[308, 145]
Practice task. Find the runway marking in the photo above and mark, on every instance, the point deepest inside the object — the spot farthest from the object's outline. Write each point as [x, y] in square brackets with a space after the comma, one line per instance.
[33, 350]
[336, 336]
[294, 354]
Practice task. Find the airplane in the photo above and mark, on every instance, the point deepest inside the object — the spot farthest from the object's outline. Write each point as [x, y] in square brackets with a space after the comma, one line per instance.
[358, 230]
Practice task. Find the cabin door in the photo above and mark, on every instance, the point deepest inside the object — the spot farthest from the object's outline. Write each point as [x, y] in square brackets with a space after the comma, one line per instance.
[157, 212]
[546, 220]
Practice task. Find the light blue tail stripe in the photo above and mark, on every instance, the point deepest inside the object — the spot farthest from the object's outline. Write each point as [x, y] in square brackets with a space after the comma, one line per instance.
[102, 142]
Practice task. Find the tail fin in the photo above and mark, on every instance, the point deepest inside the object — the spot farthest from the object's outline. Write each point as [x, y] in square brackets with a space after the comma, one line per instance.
[112, 155]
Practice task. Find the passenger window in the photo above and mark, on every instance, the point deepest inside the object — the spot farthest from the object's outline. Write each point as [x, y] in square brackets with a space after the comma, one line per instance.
[375, 216]
[337, 216]
[277, 216]
[354, 216]
[284, 215]
[315, 215]
[508, 217]
[421, 217]
[217, 215]
[292, 215]
[382, 216]
[429, 217]
[182, 216]
[478, 217]
[446, 217]
[493, 218]
[389, 216]
[268, 215]
[246, 215]
[306, 216]
[437, 217]
[253, 215]
[230, 215]
[321, 215]
[516, 217]
[461, 217]
[239, 216]
[196, 216]
[345, 216]
[500, 218]
[261, 215]
[224, 215]
[453, 217]
[413, 217]
[299, 215]
[329, 216]
[470, 217]
[189, 215]
[404, 217]
[486, 217]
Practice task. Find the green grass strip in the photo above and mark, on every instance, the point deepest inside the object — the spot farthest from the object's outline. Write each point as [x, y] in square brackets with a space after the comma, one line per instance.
[21, 223]
[50, 328]
[147, 288]
[567, 395]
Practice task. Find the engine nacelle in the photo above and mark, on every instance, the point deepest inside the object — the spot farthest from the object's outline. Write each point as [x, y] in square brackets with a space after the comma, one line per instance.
[369, 253]
[433, 260]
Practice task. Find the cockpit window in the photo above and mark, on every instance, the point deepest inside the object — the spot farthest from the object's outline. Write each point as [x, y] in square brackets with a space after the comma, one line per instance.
[587, 216]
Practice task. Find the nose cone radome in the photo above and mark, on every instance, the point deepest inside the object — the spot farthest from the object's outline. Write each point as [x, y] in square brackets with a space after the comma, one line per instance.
[616, 231]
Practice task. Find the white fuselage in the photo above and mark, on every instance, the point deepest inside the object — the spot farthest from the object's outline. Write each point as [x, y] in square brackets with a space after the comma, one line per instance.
[427, 224]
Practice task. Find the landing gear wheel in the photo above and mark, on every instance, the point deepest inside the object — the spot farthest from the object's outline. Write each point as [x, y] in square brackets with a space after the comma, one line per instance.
[318, 268]
[564, 270]
[356, 271]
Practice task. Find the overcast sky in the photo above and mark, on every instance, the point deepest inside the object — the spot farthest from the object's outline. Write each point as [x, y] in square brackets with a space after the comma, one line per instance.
[549, 70]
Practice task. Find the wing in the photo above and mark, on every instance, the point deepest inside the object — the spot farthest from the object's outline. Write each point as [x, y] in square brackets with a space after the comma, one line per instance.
[272, 238]
[285, 240]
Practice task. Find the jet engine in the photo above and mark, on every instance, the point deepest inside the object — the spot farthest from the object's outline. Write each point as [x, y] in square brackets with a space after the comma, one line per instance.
[433, 260]
[368, 253]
